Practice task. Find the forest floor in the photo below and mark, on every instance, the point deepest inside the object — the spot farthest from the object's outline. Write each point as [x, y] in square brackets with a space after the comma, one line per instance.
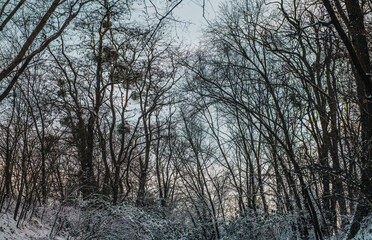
[31, 229]
[125, 222]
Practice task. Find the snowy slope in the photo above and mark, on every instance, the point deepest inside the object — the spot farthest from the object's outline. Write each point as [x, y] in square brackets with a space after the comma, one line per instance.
[28, 230]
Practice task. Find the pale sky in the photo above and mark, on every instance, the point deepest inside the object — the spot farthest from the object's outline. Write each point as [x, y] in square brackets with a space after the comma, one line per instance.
[187, 18]
[192, 11]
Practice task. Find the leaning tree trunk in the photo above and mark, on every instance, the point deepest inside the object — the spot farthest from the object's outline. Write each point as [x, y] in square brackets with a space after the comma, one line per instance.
[359, 55]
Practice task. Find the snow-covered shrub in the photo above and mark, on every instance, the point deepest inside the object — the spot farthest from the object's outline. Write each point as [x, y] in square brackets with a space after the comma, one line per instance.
[102, 220]
[253, 225]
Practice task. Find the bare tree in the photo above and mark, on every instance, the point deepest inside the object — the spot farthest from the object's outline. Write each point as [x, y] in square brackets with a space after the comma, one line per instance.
[33, 44]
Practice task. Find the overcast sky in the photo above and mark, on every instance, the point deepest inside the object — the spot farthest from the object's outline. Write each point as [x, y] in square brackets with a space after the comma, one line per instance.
[191, 11]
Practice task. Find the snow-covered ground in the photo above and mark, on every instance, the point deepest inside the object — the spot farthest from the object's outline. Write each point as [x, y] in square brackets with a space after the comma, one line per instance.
[90, 220]
[32, 229]
[107, 222]
[37, 224]
[366, 229]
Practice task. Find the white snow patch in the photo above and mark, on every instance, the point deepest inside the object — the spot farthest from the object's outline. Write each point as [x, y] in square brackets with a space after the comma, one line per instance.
[365, 231]
[31, 229]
